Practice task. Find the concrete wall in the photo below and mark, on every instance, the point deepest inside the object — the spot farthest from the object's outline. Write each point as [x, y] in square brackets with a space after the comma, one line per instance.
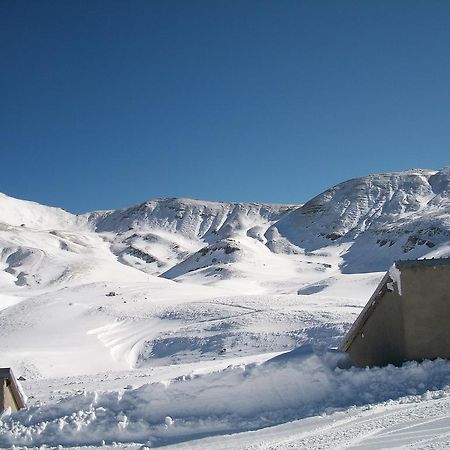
[412, 326]
[6, 396]
[426, 306]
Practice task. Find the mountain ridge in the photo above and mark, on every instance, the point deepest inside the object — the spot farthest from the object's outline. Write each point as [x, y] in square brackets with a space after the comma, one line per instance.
[368, 221]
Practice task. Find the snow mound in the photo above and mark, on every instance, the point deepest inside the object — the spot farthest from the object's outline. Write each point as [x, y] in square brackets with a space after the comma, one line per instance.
[298, 384]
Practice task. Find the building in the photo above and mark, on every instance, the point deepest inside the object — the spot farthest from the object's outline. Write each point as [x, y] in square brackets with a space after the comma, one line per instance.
[407, 318]
[10, 393]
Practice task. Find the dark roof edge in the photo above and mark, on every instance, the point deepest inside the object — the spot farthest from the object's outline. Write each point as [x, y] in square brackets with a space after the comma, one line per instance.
[365, 313]
[407, 263]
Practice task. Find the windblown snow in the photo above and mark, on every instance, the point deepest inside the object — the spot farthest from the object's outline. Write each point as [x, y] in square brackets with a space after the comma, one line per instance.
[204, 324]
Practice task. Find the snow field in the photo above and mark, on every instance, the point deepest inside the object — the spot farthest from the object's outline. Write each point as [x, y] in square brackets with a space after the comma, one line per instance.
[80, 330]
[207, 300]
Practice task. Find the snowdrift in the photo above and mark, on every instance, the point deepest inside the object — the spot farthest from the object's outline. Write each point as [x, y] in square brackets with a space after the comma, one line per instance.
[294, 385]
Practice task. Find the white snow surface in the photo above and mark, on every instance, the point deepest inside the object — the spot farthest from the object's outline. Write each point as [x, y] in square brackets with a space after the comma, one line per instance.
[395, 274]
[205, 325]
[239, 398]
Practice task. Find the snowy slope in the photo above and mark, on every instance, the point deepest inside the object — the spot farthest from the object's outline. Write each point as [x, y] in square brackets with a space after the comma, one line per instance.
[40, 258]
[33, 215]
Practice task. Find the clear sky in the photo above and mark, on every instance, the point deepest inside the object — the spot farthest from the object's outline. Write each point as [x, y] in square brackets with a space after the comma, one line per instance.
[104, 104]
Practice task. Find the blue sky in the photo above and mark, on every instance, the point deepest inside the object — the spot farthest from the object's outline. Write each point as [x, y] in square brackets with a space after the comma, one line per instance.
[104, 104]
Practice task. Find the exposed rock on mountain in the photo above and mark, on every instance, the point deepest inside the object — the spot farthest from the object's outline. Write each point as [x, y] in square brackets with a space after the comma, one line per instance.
[360, 225]
[157, 235]
[380, 218]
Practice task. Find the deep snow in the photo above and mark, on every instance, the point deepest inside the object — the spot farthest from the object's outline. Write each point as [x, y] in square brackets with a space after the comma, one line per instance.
[243, 397]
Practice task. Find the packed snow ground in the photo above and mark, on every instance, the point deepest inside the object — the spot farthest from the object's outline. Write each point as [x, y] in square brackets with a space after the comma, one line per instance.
[205, 325]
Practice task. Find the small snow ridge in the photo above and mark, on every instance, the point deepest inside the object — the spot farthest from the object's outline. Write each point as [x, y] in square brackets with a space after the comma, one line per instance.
[395, 274]
[297, 384]
[126, 338]
[310, 289]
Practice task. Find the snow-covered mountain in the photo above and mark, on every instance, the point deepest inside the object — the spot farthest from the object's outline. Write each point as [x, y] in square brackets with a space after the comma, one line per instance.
[367, 222]
[158, 235]
[378, 218]
[374, 219]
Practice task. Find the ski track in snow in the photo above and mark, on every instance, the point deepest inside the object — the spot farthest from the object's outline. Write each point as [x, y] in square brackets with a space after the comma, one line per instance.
[417, 426]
